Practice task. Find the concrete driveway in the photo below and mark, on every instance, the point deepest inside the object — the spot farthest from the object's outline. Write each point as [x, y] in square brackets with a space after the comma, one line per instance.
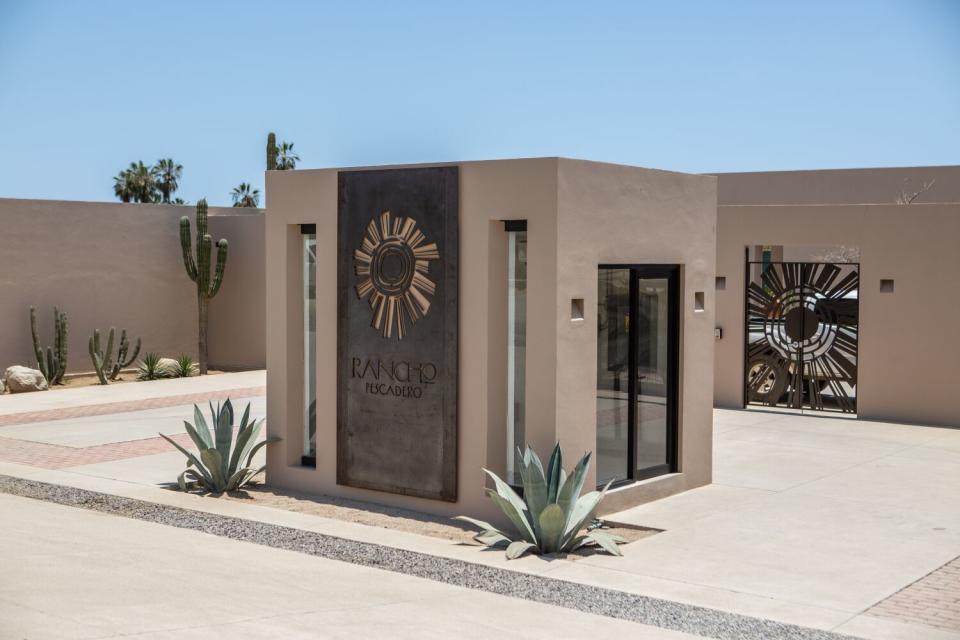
[817, 517]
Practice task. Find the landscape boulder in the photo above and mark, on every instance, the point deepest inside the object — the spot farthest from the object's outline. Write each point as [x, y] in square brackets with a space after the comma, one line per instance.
[21, 379]
[167, 368]
[1, 385]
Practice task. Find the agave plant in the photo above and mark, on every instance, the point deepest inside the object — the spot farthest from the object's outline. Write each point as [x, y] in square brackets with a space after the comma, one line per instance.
[153, 367]
[185, 367]
[218, 468]
[551, 514]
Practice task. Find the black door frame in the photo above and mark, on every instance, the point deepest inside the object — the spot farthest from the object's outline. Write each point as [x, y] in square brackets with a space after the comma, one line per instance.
[671, 273]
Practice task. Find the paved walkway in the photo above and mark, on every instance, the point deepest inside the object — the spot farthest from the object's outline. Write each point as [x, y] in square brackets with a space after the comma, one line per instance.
[108, 577]
[818, 516]
[107, 408]
[827, 523]
[73, 432]
[932, 600]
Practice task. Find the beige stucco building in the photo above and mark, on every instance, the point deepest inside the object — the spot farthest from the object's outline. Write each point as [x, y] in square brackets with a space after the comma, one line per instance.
[603, 306]
[570, 276]
[906, 357]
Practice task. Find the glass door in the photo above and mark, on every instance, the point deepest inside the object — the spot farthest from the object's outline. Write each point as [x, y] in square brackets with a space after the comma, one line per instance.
[637, 352]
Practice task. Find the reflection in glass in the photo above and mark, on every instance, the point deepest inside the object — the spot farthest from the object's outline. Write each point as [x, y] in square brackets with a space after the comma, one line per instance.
[613, 388]
[516, 347]
[310, 344]
[653, 376]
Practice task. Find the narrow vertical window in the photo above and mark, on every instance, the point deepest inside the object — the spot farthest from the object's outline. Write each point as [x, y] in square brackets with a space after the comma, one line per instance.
[516, 341]
[309, 234]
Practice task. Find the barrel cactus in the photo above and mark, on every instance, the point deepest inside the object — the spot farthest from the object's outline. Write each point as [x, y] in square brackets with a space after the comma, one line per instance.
[225, 462]
[198, 268]
[103, 362]
[551, 514]
[55, 364]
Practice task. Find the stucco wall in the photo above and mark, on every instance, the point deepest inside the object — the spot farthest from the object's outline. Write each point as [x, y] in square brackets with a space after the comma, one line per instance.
[578, 215]
[114, 264]
[909, 357]
[615, 214]
[237, 337]
[839, 186]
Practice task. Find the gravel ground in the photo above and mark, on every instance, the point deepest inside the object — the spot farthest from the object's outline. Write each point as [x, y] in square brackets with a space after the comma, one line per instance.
[666, 614]
[385, 517]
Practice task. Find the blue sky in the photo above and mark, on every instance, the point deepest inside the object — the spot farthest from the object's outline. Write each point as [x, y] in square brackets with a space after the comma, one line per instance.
[87, 87]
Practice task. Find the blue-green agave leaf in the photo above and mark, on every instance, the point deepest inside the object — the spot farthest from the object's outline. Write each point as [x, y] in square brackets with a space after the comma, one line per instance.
[520, 547]
[198, 440]
[246, 438]
[604, 541]
[480, 524]
[201, 426]
[492, 538]
[552, 522]
[534, 485]
[214, 463]
[575, 544]
[554, 469]
[574, 484]
[245, 418]
[258, 446]
[192, 459]
[581, 512]
[228, 409]
[517, 517]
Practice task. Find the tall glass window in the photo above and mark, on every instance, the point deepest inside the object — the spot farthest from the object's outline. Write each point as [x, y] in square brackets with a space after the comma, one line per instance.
[613, 375]
[516, 342]
[309, 343]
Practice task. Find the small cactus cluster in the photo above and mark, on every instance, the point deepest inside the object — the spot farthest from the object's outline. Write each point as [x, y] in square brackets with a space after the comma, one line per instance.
[106, 367]
[55, 364]
[198, 268]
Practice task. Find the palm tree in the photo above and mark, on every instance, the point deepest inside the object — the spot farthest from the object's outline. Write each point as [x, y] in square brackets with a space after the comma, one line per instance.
[286, 158]
[121, 186]
[245, 196]
[168, 175]
[141, 183]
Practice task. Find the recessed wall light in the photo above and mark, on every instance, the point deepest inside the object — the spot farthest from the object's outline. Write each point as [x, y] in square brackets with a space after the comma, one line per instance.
[698, 301]
[576, 309]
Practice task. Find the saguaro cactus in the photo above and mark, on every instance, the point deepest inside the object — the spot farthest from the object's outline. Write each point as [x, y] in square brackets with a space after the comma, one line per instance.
[271, 152]
[103, 363]
[199, 271]
[56, 362]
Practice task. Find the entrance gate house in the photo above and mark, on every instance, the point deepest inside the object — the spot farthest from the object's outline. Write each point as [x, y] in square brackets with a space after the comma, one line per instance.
[801, 335]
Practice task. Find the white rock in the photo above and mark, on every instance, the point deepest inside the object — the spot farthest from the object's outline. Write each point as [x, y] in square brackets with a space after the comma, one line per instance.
[2, 388]
[167, 368]
[21, 379]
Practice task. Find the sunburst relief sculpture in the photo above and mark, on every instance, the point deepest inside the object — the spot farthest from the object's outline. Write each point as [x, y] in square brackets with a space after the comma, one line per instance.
[393, 263]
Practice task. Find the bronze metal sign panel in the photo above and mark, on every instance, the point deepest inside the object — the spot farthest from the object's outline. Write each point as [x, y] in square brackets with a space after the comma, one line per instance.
[397, 331]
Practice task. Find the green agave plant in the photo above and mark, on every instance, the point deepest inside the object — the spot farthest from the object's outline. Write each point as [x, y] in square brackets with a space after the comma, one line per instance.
[153, 367]
[551, 514]
[218, 468]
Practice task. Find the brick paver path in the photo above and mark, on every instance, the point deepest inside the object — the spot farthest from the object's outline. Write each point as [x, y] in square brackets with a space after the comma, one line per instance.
[933, 600]
[128, 405]
[55, 456]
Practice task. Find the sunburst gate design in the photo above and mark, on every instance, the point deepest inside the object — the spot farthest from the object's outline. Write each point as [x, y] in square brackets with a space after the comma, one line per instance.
[802, 335]
[393, 262]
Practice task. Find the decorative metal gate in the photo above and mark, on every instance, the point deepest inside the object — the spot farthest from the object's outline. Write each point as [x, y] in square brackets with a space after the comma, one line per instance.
[801, 335]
